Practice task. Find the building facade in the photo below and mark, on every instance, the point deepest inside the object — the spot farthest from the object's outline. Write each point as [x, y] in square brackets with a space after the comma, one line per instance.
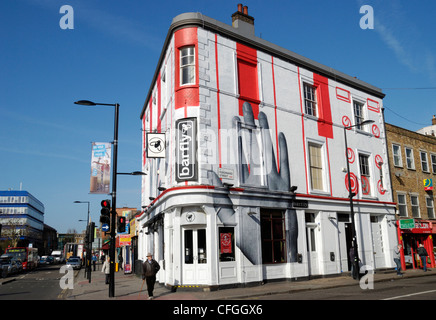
[244, 150]
[413, 170]
[22, 219]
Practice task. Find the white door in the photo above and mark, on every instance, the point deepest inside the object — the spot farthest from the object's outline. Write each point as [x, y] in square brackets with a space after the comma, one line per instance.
[195, 266]
[377, 243]
[312, 254]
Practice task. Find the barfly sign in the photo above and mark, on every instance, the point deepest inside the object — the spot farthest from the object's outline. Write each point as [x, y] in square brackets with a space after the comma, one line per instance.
[186, 143]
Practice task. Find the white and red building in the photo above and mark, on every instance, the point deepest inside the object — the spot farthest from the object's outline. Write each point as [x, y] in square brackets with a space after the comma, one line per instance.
[253, 182]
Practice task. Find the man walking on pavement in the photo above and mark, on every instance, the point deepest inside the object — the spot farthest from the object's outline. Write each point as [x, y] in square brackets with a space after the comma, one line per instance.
[423, 255]
[149, 269]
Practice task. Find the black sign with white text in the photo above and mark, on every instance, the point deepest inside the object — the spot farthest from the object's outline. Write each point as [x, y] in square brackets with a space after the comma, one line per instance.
[186, 150]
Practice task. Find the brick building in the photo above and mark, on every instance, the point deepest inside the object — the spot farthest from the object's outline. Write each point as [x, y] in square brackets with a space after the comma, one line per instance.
[412, 162]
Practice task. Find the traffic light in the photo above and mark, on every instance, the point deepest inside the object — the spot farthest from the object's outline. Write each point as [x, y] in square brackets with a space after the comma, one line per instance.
[121, 225]
[105, 212]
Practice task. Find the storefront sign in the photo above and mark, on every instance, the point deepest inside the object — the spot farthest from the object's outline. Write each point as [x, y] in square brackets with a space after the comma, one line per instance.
[124, 240]
[156, 145]
[428, 184]
[407, 223]
[300, 204]
[186, 150]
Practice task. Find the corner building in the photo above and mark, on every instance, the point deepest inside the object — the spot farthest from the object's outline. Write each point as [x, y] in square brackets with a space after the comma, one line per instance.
[253, 183]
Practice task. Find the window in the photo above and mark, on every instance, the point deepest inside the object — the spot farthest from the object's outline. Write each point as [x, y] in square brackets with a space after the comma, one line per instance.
[396, 151]
[415, 206]
[410, 162]
[227, 244]
[187, 65]
[310, 99]
[273, 237]
[433, 162]
[358, 114]
[365, 173]
[430, 207]
[424, 161]
[315, 163]
[402, 206]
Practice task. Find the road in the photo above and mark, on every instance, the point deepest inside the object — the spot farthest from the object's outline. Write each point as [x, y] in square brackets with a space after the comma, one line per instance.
[419, 288]
[43, 283]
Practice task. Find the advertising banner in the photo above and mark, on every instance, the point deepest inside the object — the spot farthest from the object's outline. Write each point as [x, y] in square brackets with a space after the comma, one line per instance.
[100, 168]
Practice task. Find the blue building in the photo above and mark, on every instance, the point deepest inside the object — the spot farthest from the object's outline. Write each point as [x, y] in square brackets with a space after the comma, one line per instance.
[21, 217]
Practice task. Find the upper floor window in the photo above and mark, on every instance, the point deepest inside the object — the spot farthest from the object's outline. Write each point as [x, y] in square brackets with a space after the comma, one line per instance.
[433, 162]
[410, 162]
[365, 174]
[310, 99]
[358, 114]
[415, 206]
[402, 205]
[187, 65]
[396, 151]
[316, 168]
[424, 161]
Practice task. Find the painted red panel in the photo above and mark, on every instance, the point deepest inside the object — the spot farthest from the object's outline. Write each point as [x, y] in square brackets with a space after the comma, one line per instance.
[325, 124]
[187, 95]
[247, 78]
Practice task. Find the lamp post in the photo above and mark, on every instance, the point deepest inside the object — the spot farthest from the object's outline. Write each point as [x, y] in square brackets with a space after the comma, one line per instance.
[114, 191]
[351, 194]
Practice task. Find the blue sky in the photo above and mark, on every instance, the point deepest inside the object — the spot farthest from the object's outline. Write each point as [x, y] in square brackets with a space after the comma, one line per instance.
[110, 57]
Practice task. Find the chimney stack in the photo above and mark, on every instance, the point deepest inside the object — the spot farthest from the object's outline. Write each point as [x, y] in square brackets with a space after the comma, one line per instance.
[433, 121]
[242, 21]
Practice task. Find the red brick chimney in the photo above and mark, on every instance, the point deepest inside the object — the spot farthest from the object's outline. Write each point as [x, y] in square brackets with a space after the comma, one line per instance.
[242, 21]
[433, 121]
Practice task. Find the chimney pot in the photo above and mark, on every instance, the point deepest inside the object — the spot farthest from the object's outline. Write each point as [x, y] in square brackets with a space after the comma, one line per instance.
[239, 7]
[433, 121]
[245, 10]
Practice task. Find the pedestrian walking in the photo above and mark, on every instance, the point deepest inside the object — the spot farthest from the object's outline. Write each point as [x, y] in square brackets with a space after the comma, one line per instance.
[106, 269]
[423, 255]
[397, 258]
[149, 269]
[94, 260]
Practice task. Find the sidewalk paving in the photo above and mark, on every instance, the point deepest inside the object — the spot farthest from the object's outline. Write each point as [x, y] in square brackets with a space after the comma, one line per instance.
[128, 287]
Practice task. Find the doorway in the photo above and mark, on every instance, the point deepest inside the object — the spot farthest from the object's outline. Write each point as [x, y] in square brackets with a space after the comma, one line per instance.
[195, 260]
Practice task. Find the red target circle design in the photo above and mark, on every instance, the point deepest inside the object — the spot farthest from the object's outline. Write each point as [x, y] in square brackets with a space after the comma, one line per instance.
[354, 183]
[378, 161]
[346, 122]
[380, 187]
[350, 155]
[375, 131]
[366, 188]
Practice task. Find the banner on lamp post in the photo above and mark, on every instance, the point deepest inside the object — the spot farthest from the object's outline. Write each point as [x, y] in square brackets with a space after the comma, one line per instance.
[100, 168]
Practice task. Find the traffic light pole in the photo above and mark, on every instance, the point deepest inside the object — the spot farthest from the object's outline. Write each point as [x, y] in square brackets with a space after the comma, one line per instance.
[114, 206]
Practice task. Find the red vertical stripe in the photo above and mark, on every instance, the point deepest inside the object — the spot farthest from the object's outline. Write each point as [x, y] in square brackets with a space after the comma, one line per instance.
[325, 124]
[275, 113]
[302, 127]
[218, 98]
[247, 78]
[159, 122]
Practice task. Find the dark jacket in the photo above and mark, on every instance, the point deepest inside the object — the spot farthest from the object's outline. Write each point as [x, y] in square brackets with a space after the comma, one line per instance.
[422, 252]
[149, 269]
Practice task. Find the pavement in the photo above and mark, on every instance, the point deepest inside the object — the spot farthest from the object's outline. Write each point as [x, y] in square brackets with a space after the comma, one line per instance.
[128, 287]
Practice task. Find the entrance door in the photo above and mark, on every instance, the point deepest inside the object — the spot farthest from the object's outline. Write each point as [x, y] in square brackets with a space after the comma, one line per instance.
[377, 243]
[195, 256]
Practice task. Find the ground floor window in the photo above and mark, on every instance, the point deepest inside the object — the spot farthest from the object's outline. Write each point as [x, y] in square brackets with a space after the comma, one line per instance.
[273, 236]
[226, 244]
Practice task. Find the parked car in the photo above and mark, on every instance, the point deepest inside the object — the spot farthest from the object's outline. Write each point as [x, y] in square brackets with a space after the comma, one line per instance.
[74, 262]
[8, 266]
[46, 260]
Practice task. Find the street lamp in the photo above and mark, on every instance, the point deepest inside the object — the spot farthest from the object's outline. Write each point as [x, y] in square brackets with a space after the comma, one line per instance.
[134, 173]
[351, 194]
[114, 191]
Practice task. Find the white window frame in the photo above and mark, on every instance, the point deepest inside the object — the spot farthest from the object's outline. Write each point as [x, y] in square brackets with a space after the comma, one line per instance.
[322, 166]
[411, 158]
[398, 155]
[359, 114]
[424, 162]
[187, 66]
[430, 207]
[311, 110]
[415, 213]
[368, 174]
[402, 204]
[433, 162]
